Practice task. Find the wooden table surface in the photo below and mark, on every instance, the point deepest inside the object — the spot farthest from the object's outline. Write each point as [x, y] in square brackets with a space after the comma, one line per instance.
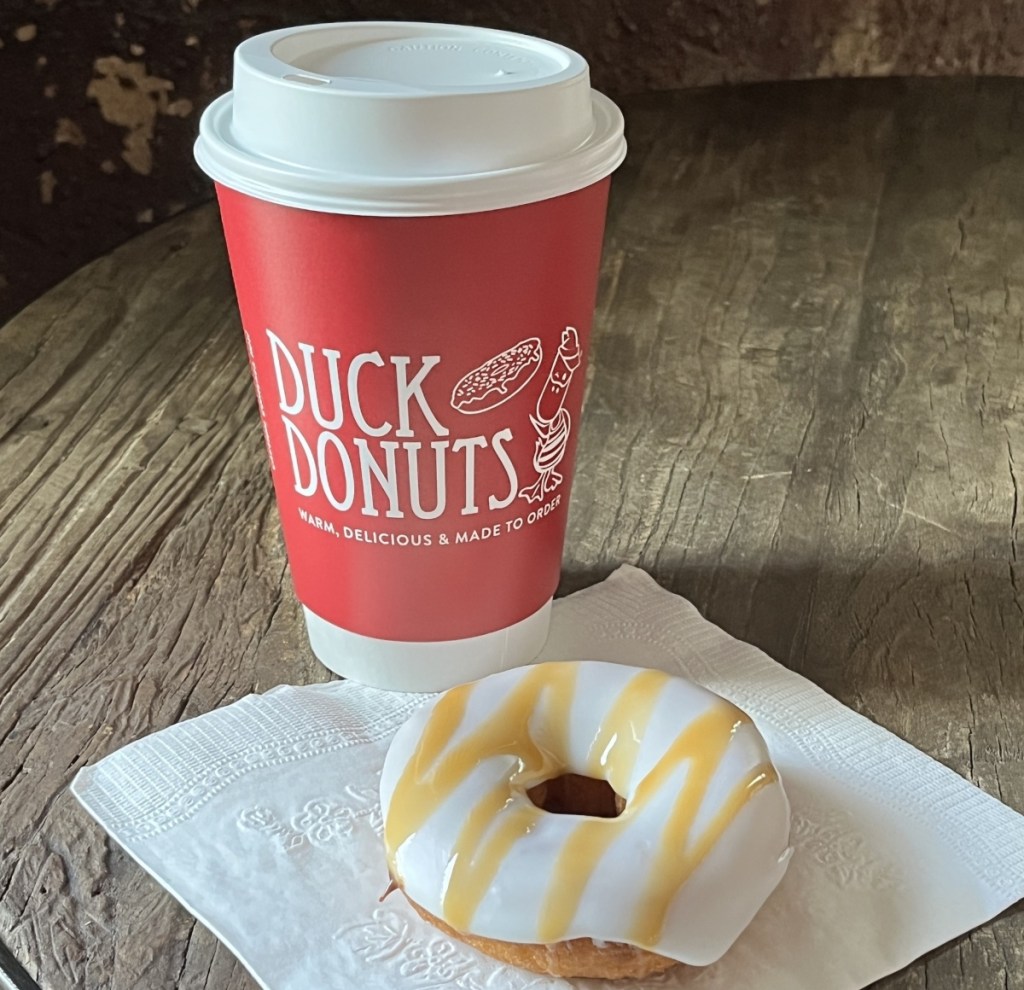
[804, 413]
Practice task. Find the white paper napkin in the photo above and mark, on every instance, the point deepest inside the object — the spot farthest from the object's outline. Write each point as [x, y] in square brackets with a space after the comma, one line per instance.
[261, 818]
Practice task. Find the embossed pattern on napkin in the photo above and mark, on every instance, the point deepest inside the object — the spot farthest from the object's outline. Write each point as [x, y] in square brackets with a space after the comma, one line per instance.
[262, 819]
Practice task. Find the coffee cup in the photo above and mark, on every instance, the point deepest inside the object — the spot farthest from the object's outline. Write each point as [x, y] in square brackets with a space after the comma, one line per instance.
[414, 216]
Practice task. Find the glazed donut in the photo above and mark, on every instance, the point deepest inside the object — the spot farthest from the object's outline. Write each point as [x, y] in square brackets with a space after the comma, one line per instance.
[701, 841]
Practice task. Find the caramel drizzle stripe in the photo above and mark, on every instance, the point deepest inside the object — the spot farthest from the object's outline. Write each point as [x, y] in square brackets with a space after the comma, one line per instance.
[620, 734]
[476, 867]
[631, 710]
[702, 744]
[672, 867]
[410, 807]
[506, 733]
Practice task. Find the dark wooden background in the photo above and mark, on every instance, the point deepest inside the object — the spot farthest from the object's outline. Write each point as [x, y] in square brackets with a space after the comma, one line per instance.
[101, 100]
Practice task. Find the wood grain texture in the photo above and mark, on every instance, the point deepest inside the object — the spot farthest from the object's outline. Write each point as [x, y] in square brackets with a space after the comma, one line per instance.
[144, 583]
[803, 414]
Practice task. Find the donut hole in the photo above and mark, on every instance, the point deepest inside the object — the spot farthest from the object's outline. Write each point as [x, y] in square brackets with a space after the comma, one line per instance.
[574, 794]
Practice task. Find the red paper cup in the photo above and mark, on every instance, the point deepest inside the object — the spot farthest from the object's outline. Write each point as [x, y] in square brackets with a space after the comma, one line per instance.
[419, 371]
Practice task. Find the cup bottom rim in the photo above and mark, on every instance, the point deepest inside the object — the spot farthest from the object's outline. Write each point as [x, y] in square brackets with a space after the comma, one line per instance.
[396, 665]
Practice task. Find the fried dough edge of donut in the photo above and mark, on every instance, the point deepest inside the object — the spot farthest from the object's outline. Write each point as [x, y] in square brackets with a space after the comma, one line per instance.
[577, 957]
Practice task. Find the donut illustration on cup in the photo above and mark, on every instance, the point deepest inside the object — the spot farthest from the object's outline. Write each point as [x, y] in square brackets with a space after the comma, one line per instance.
[551, 419]
[498, 379]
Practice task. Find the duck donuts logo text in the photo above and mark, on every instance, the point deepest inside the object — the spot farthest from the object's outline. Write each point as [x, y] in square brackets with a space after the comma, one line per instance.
[379, 434]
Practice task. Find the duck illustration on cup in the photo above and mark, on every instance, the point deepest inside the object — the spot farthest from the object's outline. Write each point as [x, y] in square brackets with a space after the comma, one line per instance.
[551, 419]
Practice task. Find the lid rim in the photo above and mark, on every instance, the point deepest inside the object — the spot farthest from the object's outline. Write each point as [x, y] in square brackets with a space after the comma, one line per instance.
[230, 165]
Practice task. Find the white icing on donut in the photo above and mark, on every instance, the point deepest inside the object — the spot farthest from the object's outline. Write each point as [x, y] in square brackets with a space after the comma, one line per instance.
[701, 844]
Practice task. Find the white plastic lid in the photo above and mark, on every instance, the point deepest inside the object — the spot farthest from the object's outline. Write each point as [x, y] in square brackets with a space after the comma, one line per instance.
[389, 118]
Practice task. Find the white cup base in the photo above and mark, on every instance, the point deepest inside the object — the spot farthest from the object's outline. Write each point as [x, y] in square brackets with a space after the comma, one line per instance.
[437, 666]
